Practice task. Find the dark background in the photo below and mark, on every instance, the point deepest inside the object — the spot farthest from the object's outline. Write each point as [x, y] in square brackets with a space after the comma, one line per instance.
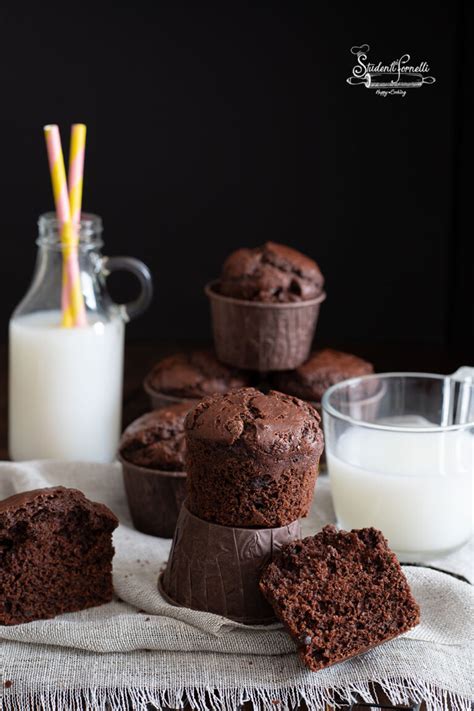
[217, 126]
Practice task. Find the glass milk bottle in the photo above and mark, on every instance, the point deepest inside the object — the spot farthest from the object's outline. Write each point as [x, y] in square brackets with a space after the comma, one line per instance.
[65, 384]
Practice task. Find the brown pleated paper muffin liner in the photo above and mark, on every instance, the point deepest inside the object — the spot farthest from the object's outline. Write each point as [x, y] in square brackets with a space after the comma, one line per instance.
[259, 336]
[216, 568]
[154, 498]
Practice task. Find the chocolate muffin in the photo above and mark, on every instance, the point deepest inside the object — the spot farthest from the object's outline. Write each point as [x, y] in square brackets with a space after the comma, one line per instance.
[156, 440]
[265, 308]
[152, 452]
[339, 594]
[252, 459]
[270, 273]
[323, 369]
[191, 376]
[55, 554]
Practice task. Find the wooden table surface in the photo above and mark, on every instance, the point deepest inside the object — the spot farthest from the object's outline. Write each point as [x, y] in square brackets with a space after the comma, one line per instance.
[139, 358]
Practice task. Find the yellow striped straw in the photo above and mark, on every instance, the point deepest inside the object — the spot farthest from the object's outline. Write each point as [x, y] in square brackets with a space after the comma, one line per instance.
[73, 310]
[75, 182]
[76, 169]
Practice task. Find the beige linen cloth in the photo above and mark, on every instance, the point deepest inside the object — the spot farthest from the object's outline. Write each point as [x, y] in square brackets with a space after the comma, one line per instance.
[139, 650]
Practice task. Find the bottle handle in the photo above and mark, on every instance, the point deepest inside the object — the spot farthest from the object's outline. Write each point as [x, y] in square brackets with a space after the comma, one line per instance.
[141, 271]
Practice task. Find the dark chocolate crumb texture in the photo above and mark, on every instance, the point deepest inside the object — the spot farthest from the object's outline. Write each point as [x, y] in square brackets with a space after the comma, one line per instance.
[194, 375]
[156, 440]
[252, 459]
[270, 273]
[55, 554]
[339, 594]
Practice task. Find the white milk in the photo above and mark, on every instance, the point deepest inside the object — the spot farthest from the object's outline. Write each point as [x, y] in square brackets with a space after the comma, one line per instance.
[415, 487]
[65, 388]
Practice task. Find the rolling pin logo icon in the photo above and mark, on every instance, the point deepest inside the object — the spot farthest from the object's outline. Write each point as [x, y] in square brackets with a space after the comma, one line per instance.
[391, 80]
[398, 74]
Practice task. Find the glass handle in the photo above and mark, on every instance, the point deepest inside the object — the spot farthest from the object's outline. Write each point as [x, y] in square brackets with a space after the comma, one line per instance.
[141, 271]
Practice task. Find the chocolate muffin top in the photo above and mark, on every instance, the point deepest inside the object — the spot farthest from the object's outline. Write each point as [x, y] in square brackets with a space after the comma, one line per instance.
[275, 423]
[156, 440]
[194, 375]
[322, 369]
[61, 498]
[271, 273]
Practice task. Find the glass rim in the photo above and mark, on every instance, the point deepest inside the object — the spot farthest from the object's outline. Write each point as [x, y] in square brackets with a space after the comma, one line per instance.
[89, 231]
[334, 412]
[88, 219]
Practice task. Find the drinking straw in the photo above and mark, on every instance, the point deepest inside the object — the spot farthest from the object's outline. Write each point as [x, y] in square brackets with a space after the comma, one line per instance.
[75, 182]
[73, 311]
[76, 170]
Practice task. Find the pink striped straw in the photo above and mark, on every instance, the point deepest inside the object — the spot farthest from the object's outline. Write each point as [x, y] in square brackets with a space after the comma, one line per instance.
[58, 173]
[72, 303]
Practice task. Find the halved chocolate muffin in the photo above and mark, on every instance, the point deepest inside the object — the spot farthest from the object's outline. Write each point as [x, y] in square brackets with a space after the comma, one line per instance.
[55, 554]
[339, 594]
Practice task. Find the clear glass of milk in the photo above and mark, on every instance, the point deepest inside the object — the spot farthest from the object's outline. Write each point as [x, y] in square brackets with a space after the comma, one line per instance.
[403, 462]
[65, 384]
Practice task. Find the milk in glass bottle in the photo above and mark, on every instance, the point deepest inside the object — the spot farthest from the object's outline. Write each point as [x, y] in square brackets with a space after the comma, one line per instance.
[65, 384]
